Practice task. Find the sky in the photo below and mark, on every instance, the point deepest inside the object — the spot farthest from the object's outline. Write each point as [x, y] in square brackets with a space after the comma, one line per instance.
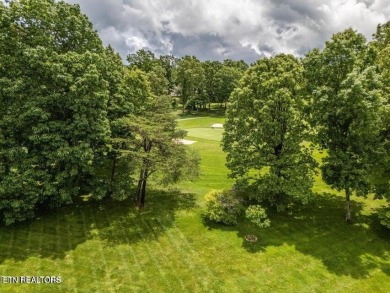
[235, 29]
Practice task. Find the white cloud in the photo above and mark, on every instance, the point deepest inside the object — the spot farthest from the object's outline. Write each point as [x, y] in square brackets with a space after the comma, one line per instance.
[232, 28]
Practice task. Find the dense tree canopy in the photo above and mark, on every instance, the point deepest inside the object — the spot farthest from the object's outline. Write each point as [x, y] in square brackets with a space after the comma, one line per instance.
[265, 131]
[53, 125]
[66, 108]
[226, 80]
[190, 78]
[381, 174]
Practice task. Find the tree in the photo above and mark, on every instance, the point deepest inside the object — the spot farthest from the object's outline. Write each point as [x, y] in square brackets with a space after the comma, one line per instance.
[210, 84]
[143, 59]
[155, 147]
[168, 62]
[189, 76]
[240, 64]
[381, 174]
[53, 123]
[265, 132]
[158, 82]
[130, 93]
[226, 80]
[345, 107]
[155, 69]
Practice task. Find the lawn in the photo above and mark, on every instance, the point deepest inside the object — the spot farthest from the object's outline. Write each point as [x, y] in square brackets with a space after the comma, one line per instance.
[168, 247]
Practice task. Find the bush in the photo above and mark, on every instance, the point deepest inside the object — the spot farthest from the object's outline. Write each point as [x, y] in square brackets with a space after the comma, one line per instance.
[384, 216]
[223, 206]
[257, 215]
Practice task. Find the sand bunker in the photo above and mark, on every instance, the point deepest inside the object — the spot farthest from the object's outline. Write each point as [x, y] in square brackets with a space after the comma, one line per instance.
[217, 125]
[185, 141]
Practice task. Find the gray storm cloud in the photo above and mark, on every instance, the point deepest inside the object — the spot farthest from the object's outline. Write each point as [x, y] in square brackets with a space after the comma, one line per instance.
[237, 29]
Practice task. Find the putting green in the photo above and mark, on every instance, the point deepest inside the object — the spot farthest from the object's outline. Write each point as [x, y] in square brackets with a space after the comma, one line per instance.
[206, 133]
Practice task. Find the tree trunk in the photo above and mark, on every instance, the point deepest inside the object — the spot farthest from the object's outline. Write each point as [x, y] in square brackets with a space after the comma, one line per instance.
[138, 193]
[347, 205]
[112, 176]
[143, 189]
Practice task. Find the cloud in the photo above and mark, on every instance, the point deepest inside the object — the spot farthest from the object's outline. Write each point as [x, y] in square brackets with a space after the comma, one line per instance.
[220, 29]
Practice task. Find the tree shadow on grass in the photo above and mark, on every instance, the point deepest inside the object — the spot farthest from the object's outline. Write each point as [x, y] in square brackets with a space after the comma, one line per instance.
[55, 233]
[319, 230]
[148, 223]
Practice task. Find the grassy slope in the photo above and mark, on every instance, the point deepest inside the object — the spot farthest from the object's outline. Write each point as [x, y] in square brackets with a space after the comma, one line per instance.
[167, 247]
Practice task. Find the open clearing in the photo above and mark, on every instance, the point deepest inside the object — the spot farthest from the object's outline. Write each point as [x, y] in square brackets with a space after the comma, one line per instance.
[167, 247]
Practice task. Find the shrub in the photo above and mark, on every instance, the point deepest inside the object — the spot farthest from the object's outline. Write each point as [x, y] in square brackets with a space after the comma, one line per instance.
[257, 215]
[223, 206]
[384, 216]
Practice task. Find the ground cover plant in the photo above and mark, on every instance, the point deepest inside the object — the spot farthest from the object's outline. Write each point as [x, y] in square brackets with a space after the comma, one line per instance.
[168, 247]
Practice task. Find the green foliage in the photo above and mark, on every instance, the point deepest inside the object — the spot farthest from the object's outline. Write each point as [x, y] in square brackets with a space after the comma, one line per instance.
[239, 65]
[155, 149]
[223, 206]
[257, 215]
[382, 45]
[189, 76]
[384, 216]
[143, 60]
[381, 175]
[53, 124]
[226, 80]
[168, 62]
[346, 102]
[158, 82]
[210, 84]
[265, 131]
[158, 71]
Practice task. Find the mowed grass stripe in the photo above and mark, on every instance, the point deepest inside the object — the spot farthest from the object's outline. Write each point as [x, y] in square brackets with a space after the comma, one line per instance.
[204, 267]
[141, 267]
[86, 263]
[180, 269]
[102, 257]
[189, 257]
[168, 261]
[57, 267]
[153, 258]
[124, 259]
[71, 283]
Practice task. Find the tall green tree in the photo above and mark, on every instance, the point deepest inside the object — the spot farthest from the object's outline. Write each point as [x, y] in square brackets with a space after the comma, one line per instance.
[346, 99]
[155, 69]
[265, 133]
[156, 149]
[210, 83]
[169, 62]
[381, 174]
[53, 123]
[240, 65]
[226, 80]
[189, 76]
[143, 59]
[130, 93]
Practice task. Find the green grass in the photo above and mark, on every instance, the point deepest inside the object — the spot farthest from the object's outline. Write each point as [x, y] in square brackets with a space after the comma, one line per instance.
[168, 247]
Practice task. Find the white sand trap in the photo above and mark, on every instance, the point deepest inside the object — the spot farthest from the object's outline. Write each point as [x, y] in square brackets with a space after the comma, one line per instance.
[217, 125]
[185, 141]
